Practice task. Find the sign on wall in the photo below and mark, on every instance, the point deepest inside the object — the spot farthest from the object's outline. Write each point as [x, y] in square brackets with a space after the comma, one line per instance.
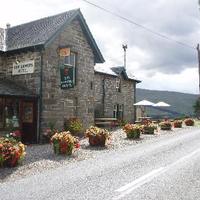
[64, 52]
[67, 77]
[26, 67]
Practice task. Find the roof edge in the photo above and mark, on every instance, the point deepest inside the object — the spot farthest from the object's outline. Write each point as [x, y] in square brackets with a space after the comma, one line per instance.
[95, 48]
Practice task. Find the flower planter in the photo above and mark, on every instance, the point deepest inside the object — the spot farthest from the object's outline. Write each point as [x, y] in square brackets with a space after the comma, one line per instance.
[97, 140]
[148, 130]
[11, 152]
[64, 143]
[178, 124]
[166, 126]
[132, 131]
[189, 122]
[97, 136]
[134, 134]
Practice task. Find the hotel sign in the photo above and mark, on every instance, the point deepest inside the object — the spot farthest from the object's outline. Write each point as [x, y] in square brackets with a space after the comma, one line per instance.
[67, 77]
[26, 67]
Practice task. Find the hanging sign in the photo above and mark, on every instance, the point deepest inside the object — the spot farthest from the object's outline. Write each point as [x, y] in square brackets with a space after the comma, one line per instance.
[64, 52]
[67, 77]
[26, 67]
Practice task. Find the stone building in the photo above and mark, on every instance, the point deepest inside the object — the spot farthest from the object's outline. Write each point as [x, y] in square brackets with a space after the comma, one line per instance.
[115, 92]
[47, 76]
[47, 72]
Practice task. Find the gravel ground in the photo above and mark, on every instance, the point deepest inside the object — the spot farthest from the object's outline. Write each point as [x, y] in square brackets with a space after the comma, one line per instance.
[41, 157]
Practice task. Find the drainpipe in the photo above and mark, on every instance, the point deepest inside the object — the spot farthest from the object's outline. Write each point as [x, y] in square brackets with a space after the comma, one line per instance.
[104, 93]
[134, 99]
[40, 97]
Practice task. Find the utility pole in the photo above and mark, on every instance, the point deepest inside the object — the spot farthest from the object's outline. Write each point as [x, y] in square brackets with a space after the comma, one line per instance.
[198, 52]
[124, 46]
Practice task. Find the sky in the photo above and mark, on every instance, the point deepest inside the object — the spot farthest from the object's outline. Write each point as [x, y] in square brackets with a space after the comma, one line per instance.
[160, 63]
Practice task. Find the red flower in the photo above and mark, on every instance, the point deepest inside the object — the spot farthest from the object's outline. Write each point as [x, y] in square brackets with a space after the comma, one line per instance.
[77, 145]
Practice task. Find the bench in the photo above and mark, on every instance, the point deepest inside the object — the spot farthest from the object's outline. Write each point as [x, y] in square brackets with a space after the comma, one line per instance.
[106, 121]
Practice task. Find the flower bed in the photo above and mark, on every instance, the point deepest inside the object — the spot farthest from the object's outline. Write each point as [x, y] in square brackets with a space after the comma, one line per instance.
[178, 123]
[166, 125]
[189, 122]
[12, 152]
[64, 143]
[97, 136]
[132, 131]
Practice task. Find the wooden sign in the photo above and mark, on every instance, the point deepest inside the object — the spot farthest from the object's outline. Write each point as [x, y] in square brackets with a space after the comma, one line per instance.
[64, 52]
[67, 76]
[26, 67]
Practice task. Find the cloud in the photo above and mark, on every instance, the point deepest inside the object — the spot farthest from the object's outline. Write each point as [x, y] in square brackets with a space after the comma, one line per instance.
[148, 55]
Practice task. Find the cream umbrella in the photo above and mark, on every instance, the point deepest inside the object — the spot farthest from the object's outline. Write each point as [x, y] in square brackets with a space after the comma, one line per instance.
[144, 103]
[161, 104]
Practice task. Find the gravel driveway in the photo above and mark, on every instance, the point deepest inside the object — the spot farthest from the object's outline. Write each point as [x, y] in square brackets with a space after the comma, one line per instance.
[41, 157]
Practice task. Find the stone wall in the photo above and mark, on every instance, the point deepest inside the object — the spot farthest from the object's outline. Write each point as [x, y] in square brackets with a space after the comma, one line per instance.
[2, 39]
[78, 102]
[113, 97]
[30, 81]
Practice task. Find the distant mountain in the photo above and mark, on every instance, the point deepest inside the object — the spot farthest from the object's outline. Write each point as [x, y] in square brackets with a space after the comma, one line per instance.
[181, 103]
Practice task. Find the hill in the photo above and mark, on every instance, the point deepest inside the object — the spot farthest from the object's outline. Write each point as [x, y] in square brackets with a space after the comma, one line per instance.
[181, 103]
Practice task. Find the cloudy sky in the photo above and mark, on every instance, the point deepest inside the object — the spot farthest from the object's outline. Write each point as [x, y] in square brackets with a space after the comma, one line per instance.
[160, 64]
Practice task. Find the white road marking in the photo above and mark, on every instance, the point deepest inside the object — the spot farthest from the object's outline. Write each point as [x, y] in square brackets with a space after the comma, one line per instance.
[128, 188]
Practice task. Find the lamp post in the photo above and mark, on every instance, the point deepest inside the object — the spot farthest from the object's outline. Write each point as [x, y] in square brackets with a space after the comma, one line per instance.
[198, 52]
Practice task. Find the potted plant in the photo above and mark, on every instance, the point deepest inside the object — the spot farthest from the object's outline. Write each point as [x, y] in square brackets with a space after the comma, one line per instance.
[49, 132]
[73, 125]
[12, 152]
[189, 122]
[165, 125]
[178, 123]
[64, 143]
[16, 135]
[148, 128]
[132, 131]
[97, 136]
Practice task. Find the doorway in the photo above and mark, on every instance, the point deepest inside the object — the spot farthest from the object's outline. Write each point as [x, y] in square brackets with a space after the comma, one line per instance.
[29, 121]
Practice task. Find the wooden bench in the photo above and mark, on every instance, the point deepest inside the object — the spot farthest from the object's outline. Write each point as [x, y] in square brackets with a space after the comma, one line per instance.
[106, 121]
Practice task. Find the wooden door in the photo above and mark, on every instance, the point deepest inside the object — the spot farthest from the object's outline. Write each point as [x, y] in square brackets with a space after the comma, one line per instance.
[29, 121]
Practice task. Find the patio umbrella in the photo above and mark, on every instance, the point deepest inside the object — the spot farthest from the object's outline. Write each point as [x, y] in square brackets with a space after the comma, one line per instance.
[144, 103]
[161, 104]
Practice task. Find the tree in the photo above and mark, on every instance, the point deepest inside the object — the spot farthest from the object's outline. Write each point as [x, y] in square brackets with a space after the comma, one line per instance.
[196, 107]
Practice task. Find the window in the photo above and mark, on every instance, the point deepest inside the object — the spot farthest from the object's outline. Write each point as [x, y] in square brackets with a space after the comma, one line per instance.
[70, 60]
[115, 111]
[118, 85]
[9, 113]
[67, 68]
[121, 111]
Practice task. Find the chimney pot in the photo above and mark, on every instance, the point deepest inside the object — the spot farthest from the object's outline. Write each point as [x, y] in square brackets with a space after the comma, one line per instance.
[8, 25]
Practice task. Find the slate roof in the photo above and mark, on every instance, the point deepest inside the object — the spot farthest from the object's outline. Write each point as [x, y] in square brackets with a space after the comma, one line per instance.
[116, 71]
[43, 31]
[10, 88]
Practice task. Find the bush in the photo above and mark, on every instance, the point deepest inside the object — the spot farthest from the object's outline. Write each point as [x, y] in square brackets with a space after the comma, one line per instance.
[132, 131]
[166, 125]
[64, 143]
[178, 123]
[73, 125]
[189, 122]
[149, 128]
[97, 136]
[12, 152]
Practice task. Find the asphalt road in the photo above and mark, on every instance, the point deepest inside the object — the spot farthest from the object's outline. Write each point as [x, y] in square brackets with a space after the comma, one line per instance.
[165, 168]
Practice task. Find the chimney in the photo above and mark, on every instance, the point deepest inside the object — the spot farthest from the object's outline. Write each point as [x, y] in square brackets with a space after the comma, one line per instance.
[8, 25]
